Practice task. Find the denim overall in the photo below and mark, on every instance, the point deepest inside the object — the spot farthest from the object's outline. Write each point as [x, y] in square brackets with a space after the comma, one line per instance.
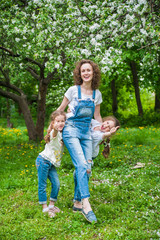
[77, 138]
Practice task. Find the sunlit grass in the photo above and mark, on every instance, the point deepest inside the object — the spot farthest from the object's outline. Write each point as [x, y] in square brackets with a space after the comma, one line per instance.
[126, 200]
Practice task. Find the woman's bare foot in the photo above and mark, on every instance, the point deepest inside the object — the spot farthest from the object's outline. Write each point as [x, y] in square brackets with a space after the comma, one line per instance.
[78, 204]
[86, 205]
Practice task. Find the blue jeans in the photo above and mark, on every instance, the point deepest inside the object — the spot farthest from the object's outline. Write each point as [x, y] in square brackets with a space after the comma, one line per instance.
[79, 144]
[46, 170]
[77, 196]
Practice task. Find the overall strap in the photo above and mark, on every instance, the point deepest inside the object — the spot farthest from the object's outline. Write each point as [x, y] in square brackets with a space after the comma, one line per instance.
[79, 91]
[94, 94]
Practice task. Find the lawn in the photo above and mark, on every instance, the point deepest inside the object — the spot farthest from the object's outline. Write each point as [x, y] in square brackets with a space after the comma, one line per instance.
[124, 196]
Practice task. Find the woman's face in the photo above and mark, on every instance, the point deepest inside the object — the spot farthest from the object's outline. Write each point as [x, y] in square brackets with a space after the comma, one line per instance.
[86, 72]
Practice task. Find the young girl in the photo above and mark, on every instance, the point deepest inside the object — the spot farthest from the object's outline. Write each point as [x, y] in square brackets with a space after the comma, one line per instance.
[84, 101]
[48, 160]
[101, 133]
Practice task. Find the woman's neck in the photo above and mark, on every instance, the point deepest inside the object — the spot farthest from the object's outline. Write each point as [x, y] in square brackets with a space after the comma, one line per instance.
[86, 88]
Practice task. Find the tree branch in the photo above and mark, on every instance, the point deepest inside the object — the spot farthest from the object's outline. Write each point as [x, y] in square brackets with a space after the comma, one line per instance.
[12, 87]
[33, 73]
[10, 52]
[148, 45]
[50, 76]
[33, 61]
[9, 95]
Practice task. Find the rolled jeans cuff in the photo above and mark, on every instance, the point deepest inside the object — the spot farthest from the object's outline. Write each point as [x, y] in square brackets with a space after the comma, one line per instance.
[89, 165]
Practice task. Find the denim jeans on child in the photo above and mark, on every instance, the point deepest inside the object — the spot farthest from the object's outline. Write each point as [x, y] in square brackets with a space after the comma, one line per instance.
[77, 138]
[46, 170]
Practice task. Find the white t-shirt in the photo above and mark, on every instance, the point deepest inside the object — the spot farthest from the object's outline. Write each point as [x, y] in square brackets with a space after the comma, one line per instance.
[96, 138]
[53, 150]
[72, 95]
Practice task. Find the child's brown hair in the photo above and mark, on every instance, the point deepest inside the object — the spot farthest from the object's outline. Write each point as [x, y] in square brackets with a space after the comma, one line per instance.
[52, 118]
[106, 150]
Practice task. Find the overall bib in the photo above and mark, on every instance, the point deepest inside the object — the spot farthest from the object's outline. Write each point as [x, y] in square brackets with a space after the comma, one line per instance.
[77, 138]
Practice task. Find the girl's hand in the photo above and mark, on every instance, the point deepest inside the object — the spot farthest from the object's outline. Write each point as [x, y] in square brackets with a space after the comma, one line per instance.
[114, 129]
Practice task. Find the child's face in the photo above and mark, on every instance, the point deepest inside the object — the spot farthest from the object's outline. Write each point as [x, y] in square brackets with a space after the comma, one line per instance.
[107, 125]
[59, 122]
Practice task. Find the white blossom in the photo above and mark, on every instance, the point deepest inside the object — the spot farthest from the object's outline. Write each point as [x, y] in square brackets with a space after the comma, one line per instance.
[57, 65]
[85, 52]
[105, 69]
[142, 2]
[93, 41]
[94, 27]
[16, 30]
[143, 31]
[158, 233]
[17, 39]
[99, 37]
[57, 43]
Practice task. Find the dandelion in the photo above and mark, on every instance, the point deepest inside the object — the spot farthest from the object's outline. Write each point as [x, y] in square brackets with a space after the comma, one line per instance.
[26, 166]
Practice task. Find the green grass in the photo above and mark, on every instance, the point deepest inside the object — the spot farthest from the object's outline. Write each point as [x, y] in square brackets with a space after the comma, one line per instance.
[126, 201]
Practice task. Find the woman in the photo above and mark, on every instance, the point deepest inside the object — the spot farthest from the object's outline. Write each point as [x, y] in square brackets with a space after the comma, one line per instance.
[84, 101]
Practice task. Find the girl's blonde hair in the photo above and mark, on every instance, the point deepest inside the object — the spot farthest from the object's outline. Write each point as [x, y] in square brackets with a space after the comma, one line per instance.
[52, 118]
[106, 150]
[96, 73]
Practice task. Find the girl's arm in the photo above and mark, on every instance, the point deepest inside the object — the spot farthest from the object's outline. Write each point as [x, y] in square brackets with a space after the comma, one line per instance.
[97, 114]
[63, 104]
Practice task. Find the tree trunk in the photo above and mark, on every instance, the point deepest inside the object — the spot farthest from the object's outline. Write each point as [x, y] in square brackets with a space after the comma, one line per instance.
[9, 124]
[23, 105]
[157, 96]
[114, 97]
[157, 102]
[41, 110]
[157, 91]
[136, 87]
[32, 133]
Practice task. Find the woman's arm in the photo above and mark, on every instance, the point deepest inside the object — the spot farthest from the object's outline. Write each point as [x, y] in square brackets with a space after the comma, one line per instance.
[97, 114]
[63, 104]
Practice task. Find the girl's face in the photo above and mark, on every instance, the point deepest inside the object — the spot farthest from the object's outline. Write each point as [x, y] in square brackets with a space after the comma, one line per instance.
[107, 125]
[59, 122]
[86, 72]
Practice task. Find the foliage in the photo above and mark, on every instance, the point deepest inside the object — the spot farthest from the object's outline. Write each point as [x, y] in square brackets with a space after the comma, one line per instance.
[125, 200]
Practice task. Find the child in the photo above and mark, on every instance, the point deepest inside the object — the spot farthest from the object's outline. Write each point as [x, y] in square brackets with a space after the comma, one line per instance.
[101, 132]
[48, 160]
